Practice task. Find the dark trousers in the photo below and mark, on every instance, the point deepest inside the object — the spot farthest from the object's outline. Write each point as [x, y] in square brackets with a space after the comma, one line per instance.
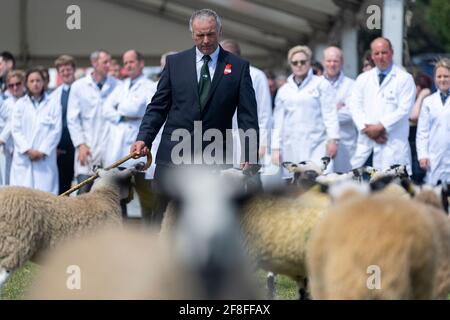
[418, 174]
[146, 196]
[369, 161]
[161, 195]
[86, 188]
[65, 162]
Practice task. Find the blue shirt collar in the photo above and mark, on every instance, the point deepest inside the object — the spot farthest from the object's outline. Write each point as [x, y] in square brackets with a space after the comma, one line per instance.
[385, 72]
[214, 56]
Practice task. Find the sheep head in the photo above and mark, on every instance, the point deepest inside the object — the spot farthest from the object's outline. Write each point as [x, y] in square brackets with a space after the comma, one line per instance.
[306, 172]
[437, 196]
[116, 178]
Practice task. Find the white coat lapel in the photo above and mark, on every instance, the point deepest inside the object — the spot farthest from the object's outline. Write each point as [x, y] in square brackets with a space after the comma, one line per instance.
[374, 78]
[389, 77]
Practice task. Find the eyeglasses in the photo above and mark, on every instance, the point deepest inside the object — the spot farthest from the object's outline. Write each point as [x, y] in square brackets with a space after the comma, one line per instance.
[12, 85]
[297, 62]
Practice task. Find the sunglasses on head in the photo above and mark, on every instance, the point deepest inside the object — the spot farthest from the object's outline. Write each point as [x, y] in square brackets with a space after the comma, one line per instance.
[12, 85]
[297, 62]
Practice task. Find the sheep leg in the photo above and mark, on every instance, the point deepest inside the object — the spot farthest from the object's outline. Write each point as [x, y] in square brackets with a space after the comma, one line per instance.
[271, 285]
[4, 275]
[303, 289]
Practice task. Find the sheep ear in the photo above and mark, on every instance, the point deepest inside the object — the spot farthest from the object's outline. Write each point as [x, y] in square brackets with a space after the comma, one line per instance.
[128, 172]
[407, 184]
[445, 196]
[99, 171]
[291, 167]
[380, 183]
[325, 161]
[96, 169]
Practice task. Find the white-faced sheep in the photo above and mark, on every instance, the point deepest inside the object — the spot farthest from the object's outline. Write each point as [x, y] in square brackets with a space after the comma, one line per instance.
[32, 221]
[395, 237]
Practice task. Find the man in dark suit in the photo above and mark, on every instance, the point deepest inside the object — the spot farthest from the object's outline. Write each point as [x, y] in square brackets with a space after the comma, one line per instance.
[199, 90]
[65, 66]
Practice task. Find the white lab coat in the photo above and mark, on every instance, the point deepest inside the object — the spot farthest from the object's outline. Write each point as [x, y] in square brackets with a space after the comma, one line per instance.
[2, 153]
[305, 118]
[85, 120]
[389, 104]
[433, 137]
[264, 105]
[37, 128]
[129, 102]
[5, 135]
[342, 89]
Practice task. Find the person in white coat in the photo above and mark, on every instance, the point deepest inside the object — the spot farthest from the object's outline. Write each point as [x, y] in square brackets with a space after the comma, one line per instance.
[342, 88]
[87, 126]
[306, 123]
[15, 82]
[124, 110]
[36, 130]
[433, 131]
[263, 102]
[380, 104]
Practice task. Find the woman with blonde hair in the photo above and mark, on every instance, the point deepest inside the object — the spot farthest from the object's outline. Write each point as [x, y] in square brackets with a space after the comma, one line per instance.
[306, 124]
[433, 129]
[15, 82]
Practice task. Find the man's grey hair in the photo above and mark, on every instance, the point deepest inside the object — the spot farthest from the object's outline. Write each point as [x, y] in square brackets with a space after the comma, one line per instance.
[205, 14]
[96, 54]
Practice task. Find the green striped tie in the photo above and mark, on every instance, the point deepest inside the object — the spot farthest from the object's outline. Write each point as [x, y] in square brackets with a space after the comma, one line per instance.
[205, 82]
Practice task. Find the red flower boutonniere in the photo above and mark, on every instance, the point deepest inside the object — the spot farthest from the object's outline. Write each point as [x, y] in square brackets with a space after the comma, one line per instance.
[227, 69]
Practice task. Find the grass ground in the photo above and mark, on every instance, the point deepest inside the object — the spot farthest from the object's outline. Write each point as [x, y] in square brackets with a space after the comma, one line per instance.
[21, 280]
[16, 286]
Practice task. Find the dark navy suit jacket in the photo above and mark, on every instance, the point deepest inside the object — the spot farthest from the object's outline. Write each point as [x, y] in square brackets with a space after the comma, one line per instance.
[177, 101]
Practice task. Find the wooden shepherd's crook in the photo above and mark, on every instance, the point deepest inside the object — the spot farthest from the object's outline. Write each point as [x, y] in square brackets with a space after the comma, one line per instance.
[134, 155]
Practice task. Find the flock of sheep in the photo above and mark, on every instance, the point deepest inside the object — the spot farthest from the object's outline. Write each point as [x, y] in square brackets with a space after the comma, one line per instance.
[326, 232]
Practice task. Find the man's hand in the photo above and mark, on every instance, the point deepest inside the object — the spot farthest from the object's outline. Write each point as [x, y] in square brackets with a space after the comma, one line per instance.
[332, 148]
[424, 163]
[340, 105]
[34, 155]
[261, 152]
[60, 152]
[84, 153]
[139, 147]
[276, 158]
[251, 168]
[376, 132]
[373, 131]
[381, 139]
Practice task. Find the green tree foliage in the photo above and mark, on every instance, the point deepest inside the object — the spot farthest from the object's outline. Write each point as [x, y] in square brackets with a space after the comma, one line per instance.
[430, 26]
[438, 14]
